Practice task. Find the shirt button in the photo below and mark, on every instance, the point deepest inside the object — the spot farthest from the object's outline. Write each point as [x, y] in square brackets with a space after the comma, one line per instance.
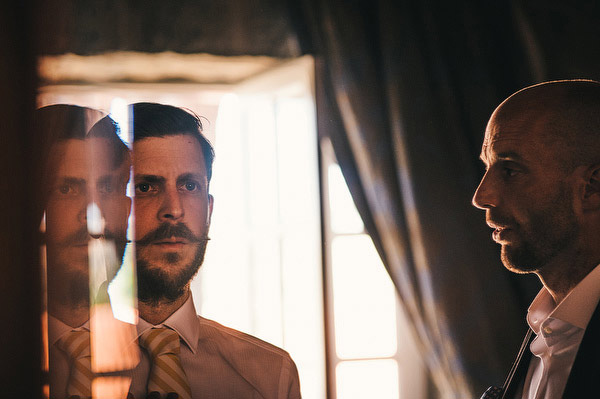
[548, 330]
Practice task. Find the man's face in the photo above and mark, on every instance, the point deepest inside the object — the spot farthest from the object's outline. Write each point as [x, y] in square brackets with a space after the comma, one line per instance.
[172, 214]
[82, 172]
[528, 198]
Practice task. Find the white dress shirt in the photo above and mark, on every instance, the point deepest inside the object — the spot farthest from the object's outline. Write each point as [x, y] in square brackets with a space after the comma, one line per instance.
[559, 331]
[222, 363]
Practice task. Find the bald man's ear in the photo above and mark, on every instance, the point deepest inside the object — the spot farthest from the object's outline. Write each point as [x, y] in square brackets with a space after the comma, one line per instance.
[591, 197]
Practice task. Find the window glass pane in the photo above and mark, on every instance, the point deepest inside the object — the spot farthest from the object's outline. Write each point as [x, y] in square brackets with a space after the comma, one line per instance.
[363, 300]
[367, 379]
[344, 216]
[262, 272]
[260, 137]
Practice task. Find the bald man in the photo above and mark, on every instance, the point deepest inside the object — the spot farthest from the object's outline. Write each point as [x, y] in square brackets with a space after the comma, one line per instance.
[541, 195]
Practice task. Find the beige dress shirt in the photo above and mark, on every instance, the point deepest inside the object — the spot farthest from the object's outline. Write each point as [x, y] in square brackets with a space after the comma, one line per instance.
[559, 330]
[222, 363]
[59, 370]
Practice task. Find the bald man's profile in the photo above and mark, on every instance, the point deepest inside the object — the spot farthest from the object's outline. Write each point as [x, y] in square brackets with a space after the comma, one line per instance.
[541, 196]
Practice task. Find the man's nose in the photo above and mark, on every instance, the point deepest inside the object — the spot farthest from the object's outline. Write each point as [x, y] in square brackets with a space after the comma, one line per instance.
[485, 195]
[86, 199]
[82, 205]
[172, 207]
[82, 212]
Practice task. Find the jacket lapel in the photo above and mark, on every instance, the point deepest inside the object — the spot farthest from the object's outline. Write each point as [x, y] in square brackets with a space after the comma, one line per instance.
[584, 378]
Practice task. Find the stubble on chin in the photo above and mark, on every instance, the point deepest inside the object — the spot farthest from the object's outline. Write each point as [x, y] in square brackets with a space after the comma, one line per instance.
[537, 249]
[167, 280]
[518, 260]
[68, 288]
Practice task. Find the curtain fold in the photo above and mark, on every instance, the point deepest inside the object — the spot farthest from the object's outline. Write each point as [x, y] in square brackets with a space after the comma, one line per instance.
[411, 85]
[20, 284]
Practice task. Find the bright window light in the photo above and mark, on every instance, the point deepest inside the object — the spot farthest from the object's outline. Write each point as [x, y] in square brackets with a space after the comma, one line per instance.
[367, 379]
[263, 272]
[372, 352]
[363, 298]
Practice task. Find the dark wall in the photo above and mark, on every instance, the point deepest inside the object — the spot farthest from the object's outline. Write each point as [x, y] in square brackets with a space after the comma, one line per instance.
[224, 27]
[20, 343]
[561, 37]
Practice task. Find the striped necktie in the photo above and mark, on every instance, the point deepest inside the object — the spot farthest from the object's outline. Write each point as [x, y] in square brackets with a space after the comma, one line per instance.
[166, 374]
[76, 344]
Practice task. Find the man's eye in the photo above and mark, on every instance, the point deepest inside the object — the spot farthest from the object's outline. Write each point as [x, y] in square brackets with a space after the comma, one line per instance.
[106, 188]
[191, 186]
[143, 187]
[510, 172]
[66, 189]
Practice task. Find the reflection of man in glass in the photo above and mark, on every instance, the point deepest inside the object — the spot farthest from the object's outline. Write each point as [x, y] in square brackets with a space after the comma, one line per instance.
[85, 174]
[172, 171]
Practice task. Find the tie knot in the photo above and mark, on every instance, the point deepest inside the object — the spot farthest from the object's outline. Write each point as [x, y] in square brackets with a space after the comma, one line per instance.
[160, 341]
[75, 343]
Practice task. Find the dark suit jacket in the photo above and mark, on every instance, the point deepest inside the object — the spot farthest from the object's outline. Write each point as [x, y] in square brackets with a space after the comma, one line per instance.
[584, 380]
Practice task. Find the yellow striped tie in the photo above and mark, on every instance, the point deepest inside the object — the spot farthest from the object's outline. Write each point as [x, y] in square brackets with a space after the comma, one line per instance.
[76, 344]
[166, 375]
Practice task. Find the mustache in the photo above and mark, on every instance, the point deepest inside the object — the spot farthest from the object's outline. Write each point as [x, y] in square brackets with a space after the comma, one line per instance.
[82, 236]
[499, 220]
[168, 230]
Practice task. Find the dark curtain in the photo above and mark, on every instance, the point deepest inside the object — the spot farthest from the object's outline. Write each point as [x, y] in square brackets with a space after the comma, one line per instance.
[404, 92]
[20, 283]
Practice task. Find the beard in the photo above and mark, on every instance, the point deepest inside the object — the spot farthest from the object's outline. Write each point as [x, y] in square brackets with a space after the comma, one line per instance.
[155, 284]
[68, 288]
[548, 231]
[68, 272]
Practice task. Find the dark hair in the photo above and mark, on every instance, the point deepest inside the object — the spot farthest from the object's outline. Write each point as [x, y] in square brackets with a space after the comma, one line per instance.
[107, 128]
[160, 120]
[55, 123]
[64, 121]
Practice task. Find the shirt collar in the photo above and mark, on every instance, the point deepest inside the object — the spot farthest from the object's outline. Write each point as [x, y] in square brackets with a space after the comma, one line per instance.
[184, 321]
[576, 308]
[56, 329]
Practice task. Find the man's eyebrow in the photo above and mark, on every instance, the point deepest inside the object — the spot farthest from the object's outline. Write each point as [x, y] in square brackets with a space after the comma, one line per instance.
[105, 179]
[150, 178]
[193, 176]
[504, 156]
[509, 156]
[71, 180]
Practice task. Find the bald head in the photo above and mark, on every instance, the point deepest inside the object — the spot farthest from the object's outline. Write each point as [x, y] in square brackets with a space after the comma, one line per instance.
[541, 188]
[565, 116]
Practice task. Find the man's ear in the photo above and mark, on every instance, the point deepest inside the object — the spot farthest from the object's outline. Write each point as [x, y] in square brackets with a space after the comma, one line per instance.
[210, 209]
[591, 195]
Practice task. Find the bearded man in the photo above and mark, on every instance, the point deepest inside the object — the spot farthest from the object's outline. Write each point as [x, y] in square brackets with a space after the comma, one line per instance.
[185, 355]
[84, 165]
